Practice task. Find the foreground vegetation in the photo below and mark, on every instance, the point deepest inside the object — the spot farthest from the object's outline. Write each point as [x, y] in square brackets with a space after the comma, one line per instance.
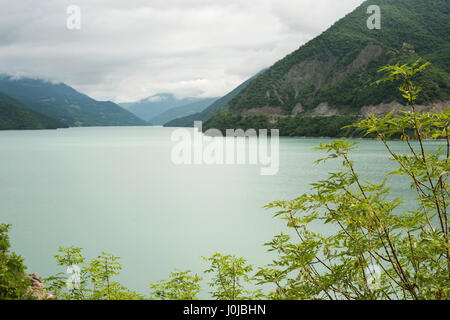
[375, 251]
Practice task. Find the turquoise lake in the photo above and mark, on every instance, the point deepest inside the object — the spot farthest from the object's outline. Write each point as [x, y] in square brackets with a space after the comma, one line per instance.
[115, 189]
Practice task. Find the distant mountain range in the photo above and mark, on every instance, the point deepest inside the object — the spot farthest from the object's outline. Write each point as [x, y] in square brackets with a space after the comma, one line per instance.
[163, 107]
[182, 111]
[64, 104]
[328, 80]
[206, 114]
[43, 104]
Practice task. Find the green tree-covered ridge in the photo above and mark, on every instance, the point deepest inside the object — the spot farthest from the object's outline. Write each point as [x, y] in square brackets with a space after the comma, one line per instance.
[337, 68]
[15, 116]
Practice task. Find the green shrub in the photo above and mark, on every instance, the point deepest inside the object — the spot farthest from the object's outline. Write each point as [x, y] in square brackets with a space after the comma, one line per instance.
[13, 283]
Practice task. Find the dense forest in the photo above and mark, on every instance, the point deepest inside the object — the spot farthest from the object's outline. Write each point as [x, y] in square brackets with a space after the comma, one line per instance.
[297, 126]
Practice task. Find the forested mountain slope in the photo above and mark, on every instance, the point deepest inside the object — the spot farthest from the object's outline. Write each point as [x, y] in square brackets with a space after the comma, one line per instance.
[15, 116]
[331, 75]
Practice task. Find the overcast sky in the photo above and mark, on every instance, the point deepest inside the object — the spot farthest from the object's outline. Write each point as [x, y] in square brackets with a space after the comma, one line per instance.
[127, 50]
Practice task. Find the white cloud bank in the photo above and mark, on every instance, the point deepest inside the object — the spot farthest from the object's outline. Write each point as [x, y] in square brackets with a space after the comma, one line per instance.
[129, 50]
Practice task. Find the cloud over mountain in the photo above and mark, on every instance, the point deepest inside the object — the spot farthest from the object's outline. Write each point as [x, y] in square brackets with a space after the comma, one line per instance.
[129, 50]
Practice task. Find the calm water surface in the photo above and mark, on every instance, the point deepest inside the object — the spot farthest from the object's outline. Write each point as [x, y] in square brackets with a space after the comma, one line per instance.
[116, 190]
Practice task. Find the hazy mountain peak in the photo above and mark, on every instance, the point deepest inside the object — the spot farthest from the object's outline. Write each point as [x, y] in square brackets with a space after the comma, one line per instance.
[159, 97]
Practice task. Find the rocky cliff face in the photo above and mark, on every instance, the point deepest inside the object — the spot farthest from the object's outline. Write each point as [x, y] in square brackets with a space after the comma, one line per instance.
[379, 110]
[383, 109]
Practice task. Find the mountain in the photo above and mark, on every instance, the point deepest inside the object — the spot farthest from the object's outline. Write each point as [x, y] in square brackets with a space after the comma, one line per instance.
[15, 116]
[206, 114]
[65, 104]
[126, 105]
[155, 105]
[183, 111]
[330, 76]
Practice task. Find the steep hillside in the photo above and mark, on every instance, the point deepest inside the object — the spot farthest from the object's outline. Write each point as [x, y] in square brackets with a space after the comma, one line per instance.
[332, 74]
[65, 104]
[15, 116]
[183, 111]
